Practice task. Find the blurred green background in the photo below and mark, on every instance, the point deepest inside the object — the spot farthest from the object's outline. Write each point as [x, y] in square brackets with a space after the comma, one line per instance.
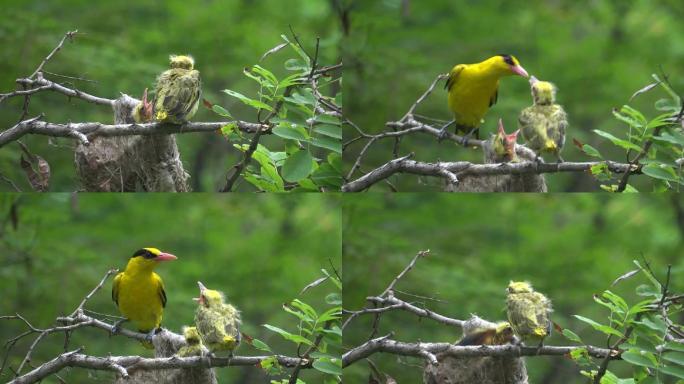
[260, 250]
[598, 53]
[124, 45]
[568, 246]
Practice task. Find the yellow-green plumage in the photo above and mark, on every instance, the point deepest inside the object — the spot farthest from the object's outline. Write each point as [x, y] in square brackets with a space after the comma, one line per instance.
[488, 334]
[544, 123]
[528, 312]
[193, 344]
[178, 90]
[217, 322]
[473, 88]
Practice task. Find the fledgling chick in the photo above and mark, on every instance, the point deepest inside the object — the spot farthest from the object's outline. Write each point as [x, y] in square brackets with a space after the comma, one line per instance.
[544, 123]
[217, 322]
[142, 113]
[477, 331]
[500, 148]
[528, 312]
[193, 344]
[178, 90]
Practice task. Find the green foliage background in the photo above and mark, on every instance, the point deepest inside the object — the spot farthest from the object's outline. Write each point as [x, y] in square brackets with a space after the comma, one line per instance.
[260, 250]
[124, 45]
[568, 246]
[598, 53]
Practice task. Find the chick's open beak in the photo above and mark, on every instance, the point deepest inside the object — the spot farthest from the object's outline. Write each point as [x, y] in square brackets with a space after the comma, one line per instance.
[165, 257]
[518, 70]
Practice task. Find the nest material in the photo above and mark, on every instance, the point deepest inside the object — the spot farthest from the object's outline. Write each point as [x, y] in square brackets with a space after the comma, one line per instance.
[130, 163]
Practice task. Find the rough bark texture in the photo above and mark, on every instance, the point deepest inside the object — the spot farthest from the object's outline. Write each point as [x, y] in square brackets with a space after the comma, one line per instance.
[130, 163]
[481, 370]
[529, 182]
[166, 344]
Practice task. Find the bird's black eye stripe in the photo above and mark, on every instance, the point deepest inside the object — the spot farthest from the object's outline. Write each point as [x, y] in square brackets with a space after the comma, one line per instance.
[507, 59]
[144, 253]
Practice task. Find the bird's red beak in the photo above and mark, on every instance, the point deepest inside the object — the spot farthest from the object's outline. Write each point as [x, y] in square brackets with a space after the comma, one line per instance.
[518, 70]
[202, 288]
[165, 257]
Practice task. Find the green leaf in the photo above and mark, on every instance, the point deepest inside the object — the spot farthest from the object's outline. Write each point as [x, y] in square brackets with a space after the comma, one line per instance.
[640, 358]
[334, 131]
[306, 308]
[674, 137]
[661, 171]
[260, 345]
[673, 371]
[298, 166]
[327, 143]
[266, 74]
[296, 65]
[327, 176]
[219, 110]
[675, 357]
[288, 131]
[599, 327]
[674, 346]
[619, 142]
[591, 151]
[270, 172]
[251, 102]
[227, 129]
[327, 119]
[333, 299]
[289, 336]
[572, 336]
[335, 161]
[301, 315]
[331, 314]
[332, 367]
[290, 80]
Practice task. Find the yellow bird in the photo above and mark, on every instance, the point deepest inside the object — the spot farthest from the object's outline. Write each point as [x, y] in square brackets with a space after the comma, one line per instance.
[473, 88]
[528, 312]
[178, 90]
[139, 292]
[544, 123]
[489, 334]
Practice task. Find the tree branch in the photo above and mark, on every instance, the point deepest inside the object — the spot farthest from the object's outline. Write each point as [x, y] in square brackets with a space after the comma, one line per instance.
[387, 345]
[464, 168]
[87, 131]
[451, 171]
[122, 364]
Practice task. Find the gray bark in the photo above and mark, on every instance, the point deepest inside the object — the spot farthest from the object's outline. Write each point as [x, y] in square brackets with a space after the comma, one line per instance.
[130, 163]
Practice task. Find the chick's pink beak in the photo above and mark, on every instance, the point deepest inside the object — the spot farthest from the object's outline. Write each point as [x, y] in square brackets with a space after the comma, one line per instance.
[165, 257]
[518, 70]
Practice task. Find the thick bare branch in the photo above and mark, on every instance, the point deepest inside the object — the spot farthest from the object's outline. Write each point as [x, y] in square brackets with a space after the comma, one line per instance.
[462, 168]
[86, 131]
[122, 364]
[384, 344]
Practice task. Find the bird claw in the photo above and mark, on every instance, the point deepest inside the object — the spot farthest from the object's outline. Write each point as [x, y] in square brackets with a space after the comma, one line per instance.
[116, 328]
[443, 133]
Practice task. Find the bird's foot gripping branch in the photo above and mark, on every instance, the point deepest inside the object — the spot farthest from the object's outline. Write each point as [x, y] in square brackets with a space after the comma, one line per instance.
[139, 151]
[642, 335]
[653, 148]
[177, 360]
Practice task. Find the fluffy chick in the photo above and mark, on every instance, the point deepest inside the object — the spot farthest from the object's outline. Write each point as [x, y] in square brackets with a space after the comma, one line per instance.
[217, 322]
[544, 123]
